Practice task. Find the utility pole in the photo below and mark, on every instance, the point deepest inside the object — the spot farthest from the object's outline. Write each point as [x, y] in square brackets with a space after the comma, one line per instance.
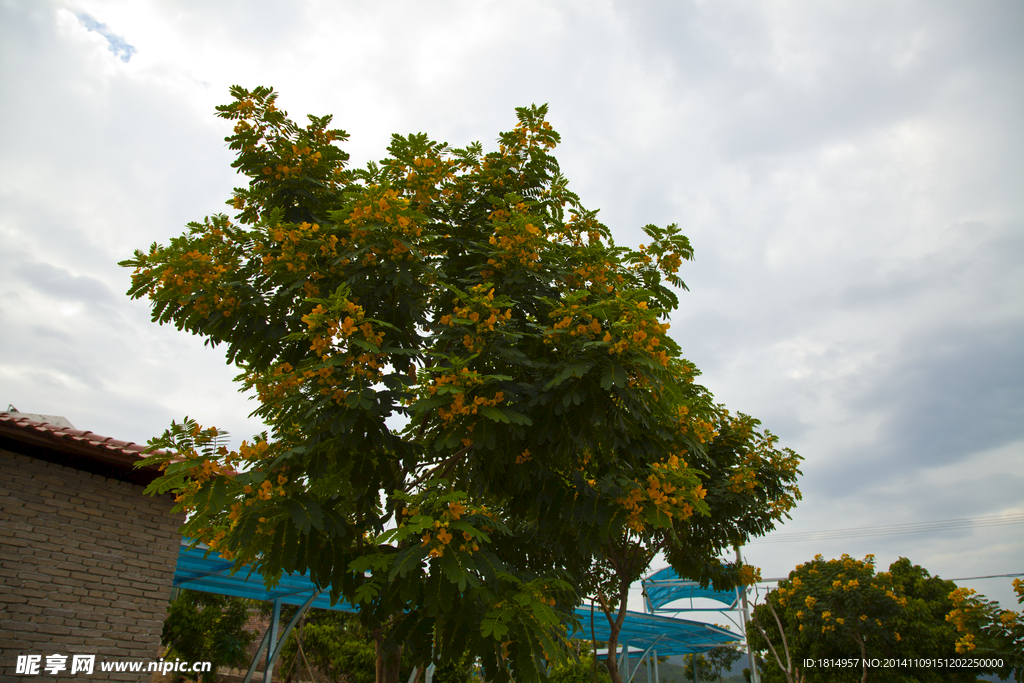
[751, 658]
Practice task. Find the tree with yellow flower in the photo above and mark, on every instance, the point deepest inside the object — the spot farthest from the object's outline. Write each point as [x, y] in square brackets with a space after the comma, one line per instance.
[745, 485]
[986, 631]
[547, 409]
[840, 608]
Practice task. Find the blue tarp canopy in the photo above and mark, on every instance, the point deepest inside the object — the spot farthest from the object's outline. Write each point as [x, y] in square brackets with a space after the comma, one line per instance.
[664, 587]
[667, 635]
[212, 574]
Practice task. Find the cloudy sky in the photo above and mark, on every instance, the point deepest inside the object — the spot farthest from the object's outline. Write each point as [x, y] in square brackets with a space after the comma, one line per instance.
[851, 175]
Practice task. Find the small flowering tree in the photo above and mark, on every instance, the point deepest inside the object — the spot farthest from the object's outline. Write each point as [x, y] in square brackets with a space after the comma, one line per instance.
[842, 609]
[546, 409]
[747, 485]
[986, 631]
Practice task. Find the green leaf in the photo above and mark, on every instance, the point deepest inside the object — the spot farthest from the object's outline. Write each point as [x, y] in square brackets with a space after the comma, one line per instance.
[409, 560]
[494, 414]
[165, 483]
[306, 514]
[615, 375]
[366, 592]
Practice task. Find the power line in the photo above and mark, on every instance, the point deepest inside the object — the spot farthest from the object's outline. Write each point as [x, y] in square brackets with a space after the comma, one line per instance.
[894, 529]
[993, 576]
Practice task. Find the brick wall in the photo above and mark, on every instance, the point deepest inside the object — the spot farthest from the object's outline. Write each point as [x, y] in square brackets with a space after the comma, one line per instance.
[86, 564]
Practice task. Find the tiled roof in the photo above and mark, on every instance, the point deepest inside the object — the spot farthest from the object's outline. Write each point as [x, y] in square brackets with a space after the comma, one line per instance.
[88, 438]
[82, 449]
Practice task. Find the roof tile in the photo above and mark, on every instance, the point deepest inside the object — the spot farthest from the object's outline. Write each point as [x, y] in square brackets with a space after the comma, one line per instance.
[44, 428]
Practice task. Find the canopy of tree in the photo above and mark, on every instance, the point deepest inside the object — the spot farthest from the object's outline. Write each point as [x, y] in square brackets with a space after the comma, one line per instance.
[986, 631]
[549, 420]
[841, 609]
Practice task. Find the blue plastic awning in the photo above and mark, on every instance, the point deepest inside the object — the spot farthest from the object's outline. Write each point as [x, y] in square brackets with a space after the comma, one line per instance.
[213, 574]
[664, 587]
[667, 635]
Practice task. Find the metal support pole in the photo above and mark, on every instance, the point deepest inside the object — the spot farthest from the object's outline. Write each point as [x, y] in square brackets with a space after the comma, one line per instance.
[270, 639]
[256, 658]
[268, 672]
[641, 660]
[751, 658]
[276, 653]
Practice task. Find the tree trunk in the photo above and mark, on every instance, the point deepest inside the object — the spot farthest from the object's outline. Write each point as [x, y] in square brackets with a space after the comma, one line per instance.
[614, 627]
[863, 654]
[378, 640]
[389, 658]
[392, 661]
[611, 661]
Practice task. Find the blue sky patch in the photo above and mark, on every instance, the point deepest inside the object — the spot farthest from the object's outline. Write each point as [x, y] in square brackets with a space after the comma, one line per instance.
[115, 43]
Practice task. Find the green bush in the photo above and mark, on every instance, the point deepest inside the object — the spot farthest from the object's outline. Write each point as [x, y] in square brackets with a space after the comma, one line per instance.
[581, 672]
[204, 627]
[341, 649]
[334, 644]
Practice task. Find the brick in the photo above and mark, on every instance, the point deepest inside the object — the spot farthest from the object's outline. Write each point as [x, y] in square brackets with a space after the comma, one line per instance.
[37, 637]
[80, 549]
[30, 505]
[31, 536]
[53, 571]
[101, 571]
[14, 609]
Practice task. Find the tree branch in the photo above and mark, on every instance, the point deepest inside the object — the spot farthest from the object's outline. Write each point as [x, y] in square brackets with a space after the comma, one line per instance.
[447, 462]
[785, 670]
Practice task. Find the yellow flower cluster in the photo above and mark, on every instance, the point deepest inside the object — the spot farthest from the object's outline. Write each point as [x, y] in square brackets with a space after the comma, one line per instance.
[640, 335]
[659, 495]
[703, 430]
[426, 178]
[295, 247]
[898, 599]
[389, 213]
[479, 311]
[339, 328]
[516, 243]
[749, 575]
[297, 158]
[744, 480]
[194, 276]
[596, 275]
[459, 406]
[463, 403]
[440, 537]
[328, 332]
